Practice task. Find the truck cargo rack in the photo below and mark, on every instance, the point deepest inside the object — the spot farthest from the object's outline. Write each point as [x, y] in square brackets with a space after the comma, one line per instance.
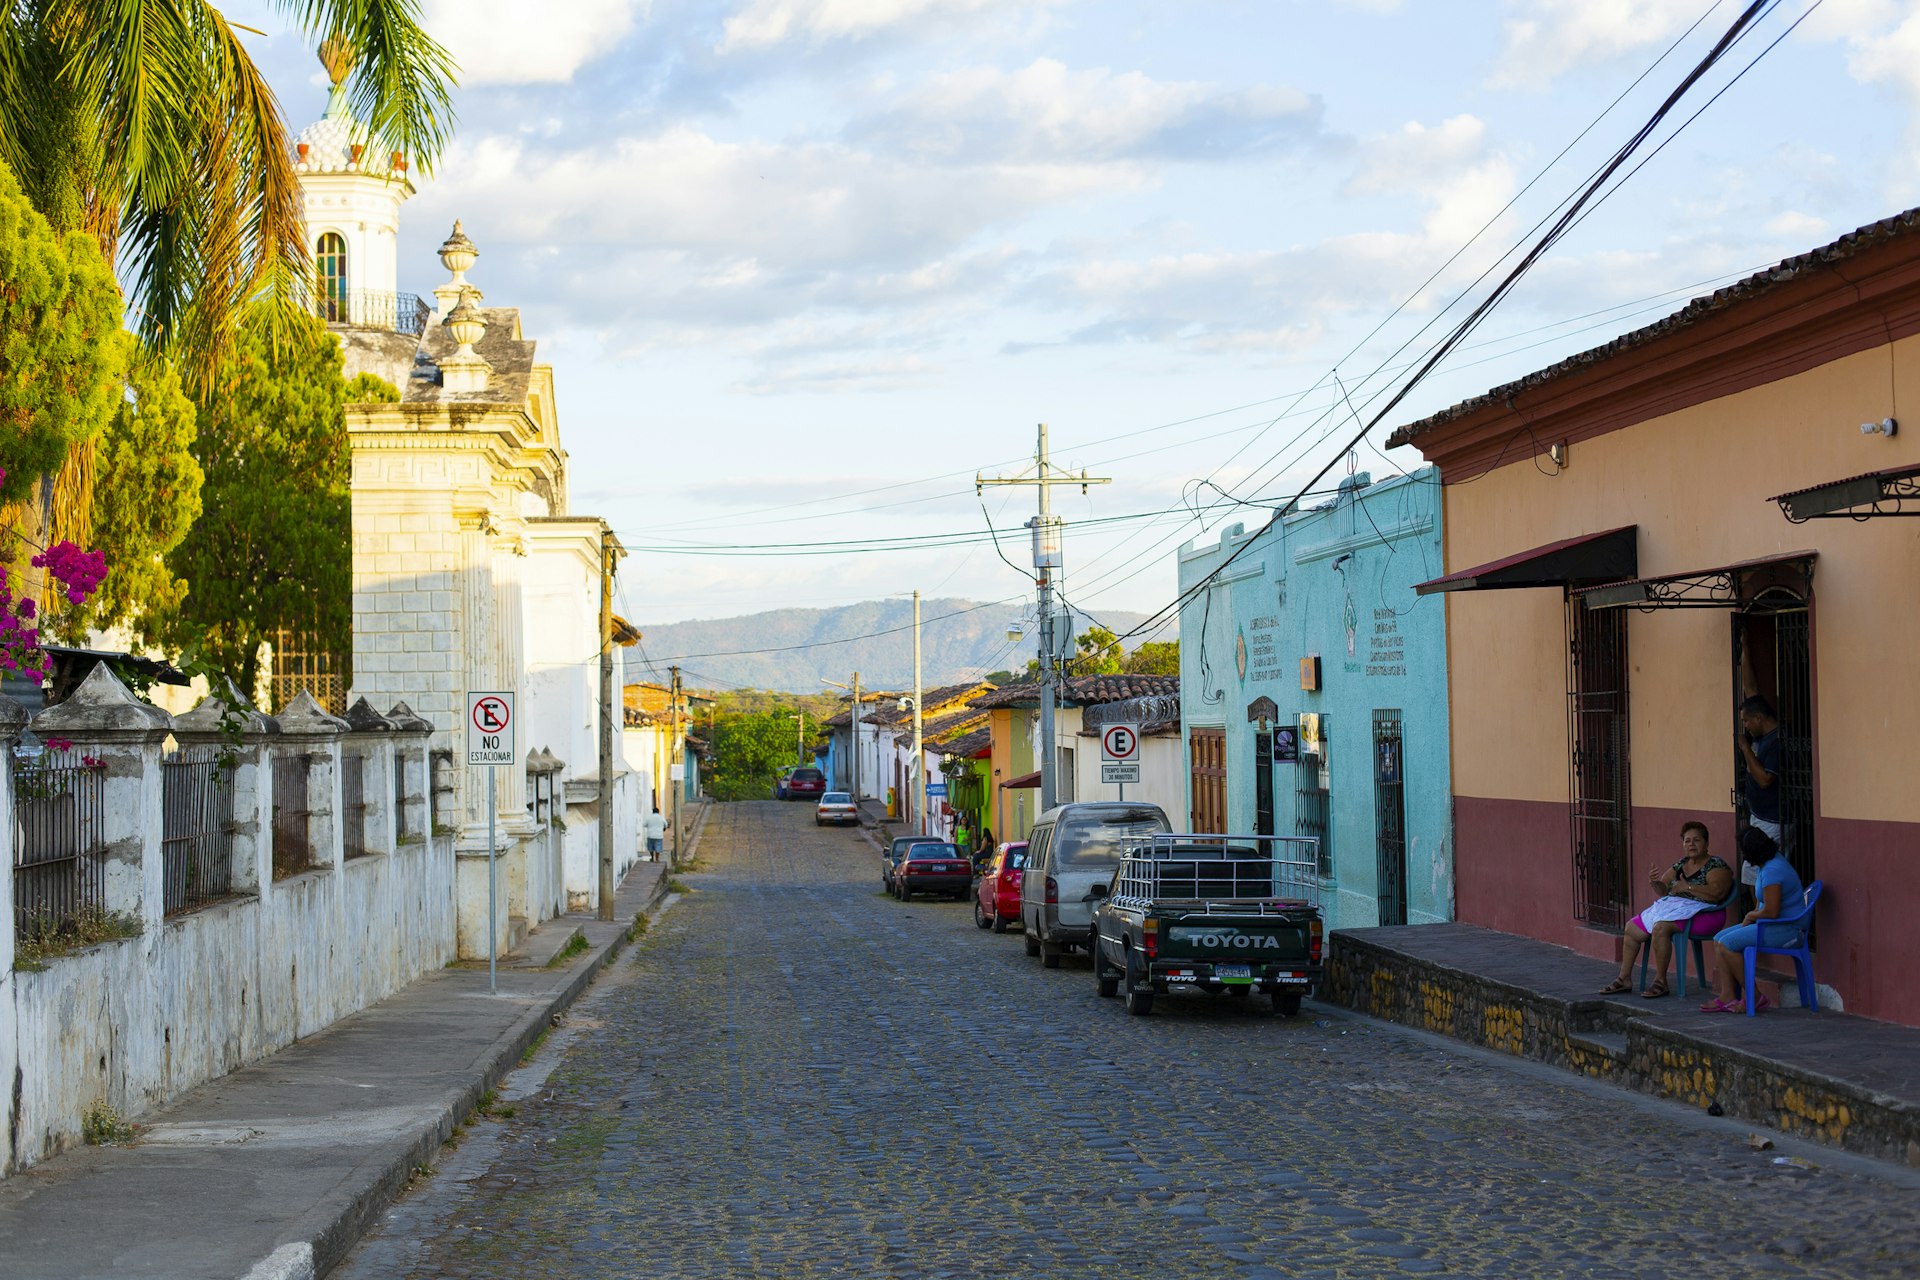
[1244, 872]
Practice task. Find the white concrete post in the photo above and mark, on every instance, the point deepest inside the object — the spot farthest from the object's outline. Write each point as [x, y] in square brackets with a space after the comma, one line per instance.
[306, 728]
[370, 739]
[412, 736]
[252, 835]
[103, 720]
[13, 718]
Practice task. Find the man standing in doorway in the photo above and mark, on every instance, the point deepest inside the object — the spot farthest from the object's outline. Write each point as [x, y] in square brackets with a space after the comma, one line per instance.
[1759, 744]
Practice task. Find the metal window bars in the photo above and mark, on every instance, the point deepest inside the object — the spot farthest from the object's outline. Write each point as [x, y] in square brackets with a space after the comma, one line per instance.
[292, 834]
[58, 810]
[353, 805]
[1241, 869]
[196, 839]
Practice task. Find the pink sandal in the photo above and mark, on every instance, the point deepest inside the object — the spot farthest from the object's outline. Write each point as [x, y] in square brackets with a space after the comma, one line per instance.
[1717, 1005]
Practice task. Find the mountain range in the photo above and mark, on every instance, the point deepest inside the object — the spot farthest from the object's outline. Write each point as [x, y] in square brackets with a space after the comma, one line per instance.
[794, 649]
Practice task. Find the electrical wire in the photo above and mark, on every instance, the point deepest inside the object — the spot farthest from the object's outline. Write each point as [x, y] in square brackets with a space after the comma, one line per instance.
[1570, 213]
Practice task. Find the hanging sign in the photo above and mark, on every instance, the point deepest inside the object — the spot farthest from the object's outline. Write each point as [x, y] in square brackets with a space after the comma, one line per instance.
[490, 732]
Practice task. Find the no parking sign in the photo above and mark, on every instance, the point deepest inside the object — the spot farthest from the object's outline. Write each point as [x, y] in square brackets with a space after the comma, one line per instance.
[490, 728]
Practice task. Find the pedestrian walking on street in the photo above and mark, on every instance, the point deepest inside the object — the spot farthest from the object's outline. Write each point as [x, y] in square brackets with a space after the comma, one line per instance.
[654, 827]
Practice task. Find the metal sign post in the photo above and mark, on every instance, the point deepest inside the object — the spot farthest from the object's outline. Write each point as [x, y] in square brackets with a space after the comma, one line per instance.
[1120, 755]
[490, 744]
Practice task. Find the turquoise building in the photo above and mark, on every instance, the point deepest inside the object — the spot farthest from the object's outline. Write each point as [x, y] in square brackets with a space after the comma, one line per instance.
[1314, 694]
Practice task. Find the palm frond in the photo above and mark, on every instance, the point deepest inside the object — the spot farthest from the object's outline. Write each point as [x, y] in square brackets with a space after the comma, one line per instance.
[402, 77]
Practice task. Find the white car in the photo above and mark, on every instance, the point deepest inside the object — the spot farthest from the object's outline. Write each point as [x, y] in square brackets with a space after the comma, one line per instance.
[836, 806]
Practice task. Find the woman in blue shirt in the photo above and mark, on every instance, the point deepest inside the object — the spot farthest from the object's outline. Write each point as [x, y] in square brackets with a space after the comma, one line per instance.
[1778, 888]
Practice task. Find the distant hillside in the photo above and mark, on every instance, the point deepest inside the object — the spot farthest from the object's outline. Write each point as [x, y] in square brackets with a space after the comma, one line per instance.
[959, 640]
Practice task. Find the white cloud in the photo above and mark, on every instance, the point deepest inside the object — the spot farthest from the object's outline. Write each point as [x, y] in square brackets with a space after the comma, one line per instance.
[765, 23]
[1551, 37]
[1046, 111]
[515, 42]
[1417, 157]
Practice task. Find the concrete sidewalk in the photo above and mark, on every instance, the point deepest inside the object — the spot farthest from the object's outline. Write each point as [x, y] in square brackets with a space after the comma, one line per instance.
[277, 1169]
[1846, 1081]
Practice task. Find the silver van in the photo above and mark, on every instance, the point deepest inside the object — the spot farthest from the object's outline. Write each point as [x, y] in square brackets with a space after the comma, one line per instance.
[1072, 848]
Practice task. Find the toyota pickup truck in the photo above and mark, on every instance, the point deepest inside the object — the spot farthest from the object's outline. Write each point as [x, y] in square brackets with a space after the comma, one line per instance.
[1212, 913]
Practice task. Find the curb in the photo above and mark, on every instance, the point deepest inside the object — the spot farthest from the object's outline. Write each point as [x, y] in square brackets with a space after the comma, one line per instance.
[320, 1246]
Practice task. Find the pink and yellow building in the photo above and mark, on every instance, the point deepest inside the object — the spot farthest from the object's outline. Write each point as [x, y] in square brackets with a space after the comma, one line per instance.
[1638, 535]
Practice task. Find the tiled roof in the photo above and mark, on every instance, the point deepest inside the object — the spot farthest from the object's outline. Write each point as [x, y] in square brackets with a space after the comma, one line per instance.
[1754, 286]
[1083, 691]
[883, 708]
[968, 745]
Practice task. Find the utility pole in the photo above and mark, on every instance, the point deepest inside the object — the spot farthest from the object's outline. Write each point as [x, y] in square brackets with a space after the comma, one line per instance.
[1046, 560]
[676, 785]
[919, 761]
[607, 546]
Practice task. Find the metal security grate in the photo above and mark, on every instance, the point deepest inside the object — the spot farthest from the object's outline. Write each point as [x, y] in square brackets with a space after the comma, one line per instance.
[1313, 801]
[58, 874]
[1263, 783]
[1793, 660]
[1390, 816]
[292, 827]
[196, 839]
[353, 805]
[1597, 752]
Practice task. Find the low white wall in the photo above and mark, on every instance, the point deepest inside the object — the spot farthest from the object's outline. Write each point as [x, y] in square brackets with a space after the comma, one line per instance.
[136, 1022]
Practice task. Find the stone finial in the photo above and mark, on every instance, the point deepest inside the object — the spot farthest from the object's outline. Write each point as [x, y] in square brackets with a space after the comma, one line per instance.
[457, 254]
[206, 719]
[362, 718]
[101, 709]
[304, 717]
[465, 370]
[406, 720]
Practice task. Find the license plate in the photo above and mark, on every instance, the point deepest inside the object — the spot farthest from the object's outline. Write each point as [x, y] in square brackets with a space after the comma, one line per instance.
[1233, 972]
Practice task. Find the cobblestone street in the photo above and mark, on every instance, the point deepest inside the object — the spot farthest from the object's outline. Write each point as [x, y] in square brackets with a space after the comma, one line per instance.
[793, 1075]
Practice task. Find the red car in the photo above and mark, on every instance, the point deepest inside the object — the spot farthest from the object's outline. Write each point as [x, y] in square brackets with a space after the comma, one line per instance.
[805, 783]
[996, 897]
[933, 868]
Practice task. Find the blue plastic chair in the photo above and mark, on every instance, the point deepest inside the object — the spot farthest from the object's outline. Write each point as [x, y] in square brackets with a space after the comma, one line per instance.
[1697, 939]
[1802, 957]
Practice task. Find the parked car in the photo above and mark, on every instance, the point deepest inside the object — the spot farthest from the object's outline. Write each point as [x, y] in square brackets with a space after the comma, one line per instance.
[836, 807]
[1236, 914]
[1072, 849]
[933, 867]
[806, 782]
[895, 851]
[996, 894]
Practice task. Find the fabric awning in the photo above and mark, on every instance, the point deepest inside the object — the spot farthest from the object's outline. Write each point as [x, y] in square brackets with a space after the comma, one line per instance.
[1726, 586]
[1024, 780]
[1882, 493]
[1592, 557]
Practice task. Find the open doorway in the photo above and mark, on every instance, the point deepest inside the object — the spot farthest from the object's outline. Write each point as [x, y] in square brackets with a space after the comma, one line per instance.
[1773, 656]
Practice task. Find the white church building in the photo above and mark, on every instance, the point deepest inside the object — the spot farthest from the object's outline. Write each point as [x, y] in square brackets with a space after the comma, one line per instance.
[470, 572]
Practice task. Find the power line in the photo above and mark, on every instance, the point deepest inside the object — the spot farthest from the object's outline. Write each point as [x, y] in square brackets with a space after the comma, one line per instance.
[1570, 213]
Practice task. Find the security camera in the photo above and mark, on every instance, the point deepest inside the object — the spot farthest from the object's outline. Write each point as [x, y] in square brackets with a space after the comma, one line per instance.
[905, 704]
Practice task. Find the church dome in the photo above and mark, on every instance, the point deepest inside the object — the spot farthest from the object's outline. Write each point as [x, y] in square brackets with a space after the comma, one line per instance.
[328, 142]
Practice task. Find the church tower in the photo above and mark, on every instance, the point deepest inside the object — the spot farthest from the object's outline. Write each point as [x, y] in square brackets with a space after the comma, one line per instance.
[351, 200]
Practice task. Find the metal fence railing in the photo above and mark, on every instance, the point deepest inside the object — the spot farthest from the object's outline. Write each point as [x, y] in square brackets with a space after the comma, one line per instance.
[196, 838]
[353, 805]
[1219, 868]
[292, 834]
[370, 309]
[403, 824]
[57, 837]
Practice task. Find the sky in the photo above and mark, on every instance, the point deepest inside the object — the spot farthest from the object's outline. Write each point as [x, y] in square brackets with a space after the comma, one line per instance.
[804, 267]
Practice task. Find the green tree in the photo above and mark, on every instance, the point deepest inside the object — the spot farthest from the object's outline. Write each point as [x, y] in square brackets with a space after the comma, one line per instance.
[146, 125]
[749, 748]
[273, 545]
[1099, 653]
[62, 350]
[1154, 658]
[146, 499]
